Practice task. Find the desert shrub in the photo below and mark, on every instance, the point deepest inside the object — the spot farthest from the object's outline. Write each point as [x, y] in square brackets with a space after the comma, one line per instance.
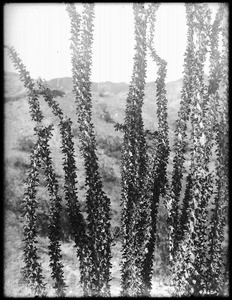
[112, 146]
[26, 144]
[20, 164]
[12, 195]
[57, 93]
[108, 174]
[106, 116]
[103, 93]
[15, 98]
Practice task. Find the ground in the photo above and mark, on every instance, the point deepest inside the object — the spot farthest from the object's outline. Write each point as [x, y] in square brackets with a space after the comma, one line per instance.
[13, 262]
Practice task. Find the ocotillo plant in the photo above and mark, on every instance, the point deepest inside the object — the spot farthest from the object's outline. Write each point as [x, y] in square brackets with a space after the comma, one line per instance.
[180, 140]
[55, 221]
[211, 108]
[157, 178]
[32, 271]
[184, 214]
[135, 207]
[216, 280]
[95, 273]
[98, 204]
[77, 221]
[191, 264]
[201, 179]
[43, 154]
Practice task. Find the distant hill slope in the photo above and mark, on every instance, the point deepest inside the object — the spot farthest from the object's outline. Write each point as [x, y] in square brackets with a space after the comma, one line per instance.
[109, 101]
[107, 91]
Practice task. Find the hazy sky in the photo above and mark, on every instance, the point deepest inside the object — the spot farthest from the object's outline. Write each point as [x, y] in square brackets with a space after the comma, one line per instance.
[40, 33]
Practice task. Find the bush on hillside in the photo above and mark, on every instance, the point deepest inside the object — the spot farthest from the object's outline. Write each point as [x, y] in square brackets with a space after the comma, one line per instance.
[110, 145]
[26, 144]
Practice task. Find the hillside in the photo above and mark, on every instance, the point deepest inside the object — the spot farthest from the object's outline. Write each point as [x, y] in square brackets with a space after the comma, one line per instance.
[106, 94]
[109, 101]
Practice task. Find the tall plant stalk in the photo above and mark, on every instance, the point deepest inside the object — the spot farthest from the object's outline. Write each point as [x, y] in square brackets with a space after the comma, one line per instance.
[77, 221]
[135, 205]
[32, 272]
[219, 77]
[98, 204]
[157, 177]
[190, 270]
[43, 154]
[180, 140]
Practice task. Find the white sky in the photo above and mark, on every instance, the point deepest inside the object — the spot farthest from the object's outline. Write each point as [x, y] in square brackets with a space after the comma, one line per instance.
[40, 33]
